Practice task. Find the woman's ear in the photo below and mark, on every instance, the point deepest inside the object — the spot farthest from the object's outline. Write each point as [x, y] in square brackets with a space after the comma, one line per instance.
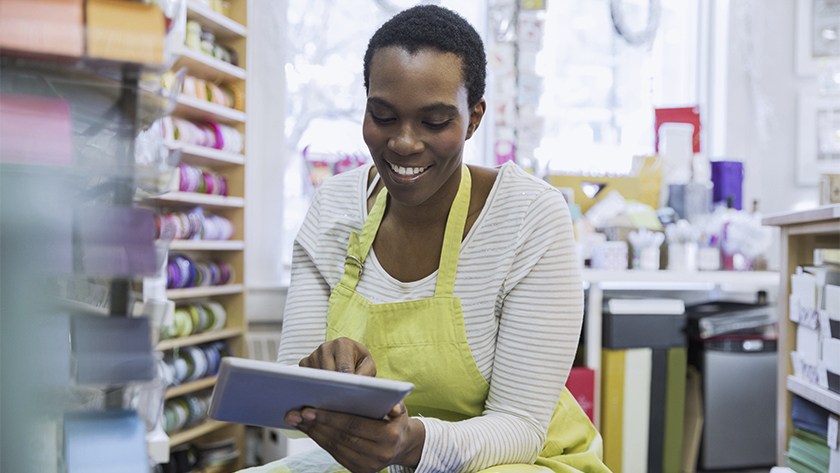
[476, 115]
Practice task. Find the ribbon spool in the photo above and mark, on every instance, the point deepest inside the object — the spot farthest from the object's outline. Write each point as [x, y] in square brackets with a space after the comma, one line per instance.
[185, 411]
[193, 225]
[193, 179]
[195, 318]
[176, 413]
[183, 272]
[208, 134]
[219, 314]
[194, 362]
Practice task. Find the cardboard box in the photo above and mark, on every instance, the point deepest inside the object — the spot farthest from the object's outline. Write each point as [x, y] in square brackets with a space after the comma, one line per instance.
[642, 185]
[121, 30]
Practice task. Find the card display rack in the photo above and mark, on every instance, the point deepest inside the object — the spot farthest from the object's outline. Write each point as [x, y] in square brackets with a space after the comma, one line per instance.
[76, 149]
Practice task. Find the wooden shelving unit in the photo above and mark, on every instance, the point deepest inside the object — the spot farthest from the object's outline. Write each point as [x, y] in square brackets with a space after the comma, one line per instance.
[204, 156]
[206, 245]
[201, 110]
[230, 31]
[187, 388]
[198, 339]
[203, 292]
[801, 233]
[191, 199]
[208, 67]
[194, 433]
[220, 25]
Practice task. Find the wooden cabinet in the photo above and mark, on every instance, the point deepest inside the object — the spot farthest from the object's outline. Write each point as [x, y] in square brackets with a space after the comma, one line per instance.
[801, 233]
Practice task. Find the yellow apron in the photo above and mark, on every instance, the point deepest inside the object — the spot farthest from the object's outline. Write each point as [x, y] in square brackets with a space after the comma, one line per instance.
[425, 342]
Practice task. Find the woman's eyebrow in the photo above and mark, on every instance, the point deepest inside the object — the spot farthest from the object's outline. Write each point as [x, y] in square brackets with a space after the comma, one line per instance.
[434, 107]
[380, 101]
[440, 107]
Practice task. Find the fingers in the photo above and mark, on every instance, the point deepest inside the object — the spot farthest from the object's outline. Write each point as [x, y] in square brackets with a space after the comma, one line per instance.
[365, 366]
[355, 442]
[343, 355]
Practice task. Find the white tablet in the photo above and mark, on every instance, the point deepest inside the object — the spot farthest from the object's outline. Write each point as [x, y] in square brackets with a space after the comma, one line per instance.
[260, 393]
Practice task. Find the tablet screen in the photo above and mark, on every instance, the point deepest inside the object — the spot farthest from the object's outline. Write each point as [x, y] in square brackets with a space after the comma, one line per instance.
[260, 393]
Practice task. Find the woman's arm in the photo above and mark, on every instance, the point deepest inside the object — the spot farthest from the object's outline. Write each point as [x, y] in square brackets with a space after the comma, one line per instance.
[305, 316]
[539, 328]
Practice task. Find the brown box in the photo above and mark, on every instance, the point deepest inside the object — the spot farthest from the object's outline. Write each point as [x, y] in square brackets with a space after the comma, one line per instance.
[643, 185]
[120, 30]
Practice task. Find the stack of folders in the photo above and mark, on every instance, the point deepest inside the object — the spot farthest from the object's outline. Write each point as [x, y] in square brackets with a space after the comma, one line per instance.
[813, 447]
[815, 308]
[643, 384]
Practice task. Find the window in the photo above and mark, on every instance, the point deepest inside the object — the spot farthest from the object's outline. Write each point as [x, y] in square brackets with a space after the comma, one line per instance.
[599, 92]
[325, 92]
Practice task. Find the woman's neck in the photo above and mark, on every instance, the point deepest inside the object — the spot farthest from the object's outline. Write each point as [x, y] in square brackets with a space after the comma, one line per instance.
[434, 211]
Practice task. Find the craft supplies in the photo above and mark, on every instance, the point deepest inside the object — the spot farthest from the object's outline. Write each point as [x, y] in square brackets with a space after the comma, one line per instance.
[645, 245]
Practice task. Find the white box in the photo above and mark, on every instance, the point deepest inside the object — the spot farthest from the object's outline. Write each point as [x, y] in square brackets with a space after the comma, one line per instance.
[831, 355]
[808, 344]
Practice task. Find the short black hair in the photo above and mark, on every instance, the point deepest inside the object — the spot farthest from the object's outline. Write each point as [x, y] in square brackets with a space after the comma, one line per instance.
[434, 27]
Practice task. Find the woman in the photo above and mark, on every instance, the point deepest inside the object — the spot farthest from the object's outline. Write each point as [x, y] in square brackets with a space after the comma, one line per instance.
[460, 279]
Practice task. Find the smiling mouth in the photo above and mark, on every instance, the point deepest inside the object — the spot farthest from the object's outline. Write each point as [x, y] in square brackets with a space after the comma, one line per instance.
[408, 171]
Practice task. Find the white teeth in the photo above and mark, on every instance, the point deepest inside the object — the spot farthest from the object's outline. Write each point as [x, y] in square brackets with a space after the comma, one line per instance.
[402, 171]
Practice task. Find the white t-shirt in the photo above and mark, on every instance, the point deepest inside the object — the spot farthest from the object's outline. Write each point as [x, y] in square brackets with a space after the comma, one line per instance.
[521, 294]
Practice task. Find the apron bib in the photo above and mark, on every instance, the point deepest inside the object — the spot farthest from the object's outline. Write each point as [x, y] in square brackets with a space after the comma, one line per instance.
[424, 342]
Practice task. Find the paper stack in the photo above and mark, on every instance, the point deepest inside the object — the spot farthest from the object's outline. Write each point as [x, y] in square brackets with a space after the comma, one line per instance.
[810, 448]
[814, 304]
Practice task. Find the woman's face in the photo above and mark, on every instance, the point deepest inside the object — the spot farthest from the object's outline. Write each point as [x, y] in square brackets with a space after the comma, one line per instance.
[416, 122]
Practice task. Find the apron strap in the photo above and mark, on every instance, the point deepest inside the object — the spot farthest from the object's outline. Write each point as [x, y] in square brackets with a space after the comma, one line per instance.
[359, 246]
[451, 249]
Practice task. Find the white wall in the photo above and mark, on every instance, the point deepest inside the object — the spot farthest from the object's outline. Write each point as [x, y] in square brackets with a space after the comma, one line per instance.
[761, 104]
[265, 158]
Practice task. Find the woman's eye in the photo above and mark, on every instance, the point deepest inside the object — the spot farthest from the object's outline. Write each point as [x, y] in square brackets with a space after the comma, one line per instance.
[381, 120]
[437, 125]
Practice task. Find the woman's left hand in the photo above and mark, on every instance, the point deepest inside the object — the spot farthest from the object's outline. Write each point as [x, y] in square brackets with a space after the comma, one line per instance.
[360, 444]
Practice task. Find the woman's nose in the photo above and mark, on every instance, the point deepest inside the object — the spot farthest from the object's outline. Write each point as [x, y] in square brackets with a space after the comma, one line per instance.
[405, 143]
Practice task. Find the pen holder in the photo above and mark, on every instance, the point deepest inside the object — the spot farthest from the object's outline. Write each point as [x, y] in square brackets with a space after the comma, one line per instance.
[708, 258]
[646, 259]
[682, 257]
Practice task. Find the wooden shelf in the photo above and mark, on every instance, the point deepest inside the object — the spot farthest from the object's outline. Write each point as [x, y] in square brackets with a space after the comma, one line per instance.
[208, 291]
[206, 200]
[204, 156]
[206, 245]
[221, 26]
[187, 388]
[205, 428]
[202, 110]
[822, 397]
[198, 339]
[818, 214]
[206, 67]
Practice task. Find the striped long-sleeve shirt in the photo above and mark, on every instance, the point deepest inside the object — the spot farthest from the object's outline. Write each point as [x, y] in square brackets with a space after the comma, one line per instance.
[521, 293]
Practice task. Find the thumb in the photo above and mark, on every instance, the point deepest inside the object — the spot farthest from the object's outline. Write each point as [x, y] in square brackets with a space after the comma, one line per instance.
[397, 410]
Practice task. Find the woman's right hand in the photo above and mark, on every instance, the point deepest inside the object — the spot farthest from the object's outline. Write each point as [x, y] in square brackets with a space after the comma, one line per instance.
[342, 354]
